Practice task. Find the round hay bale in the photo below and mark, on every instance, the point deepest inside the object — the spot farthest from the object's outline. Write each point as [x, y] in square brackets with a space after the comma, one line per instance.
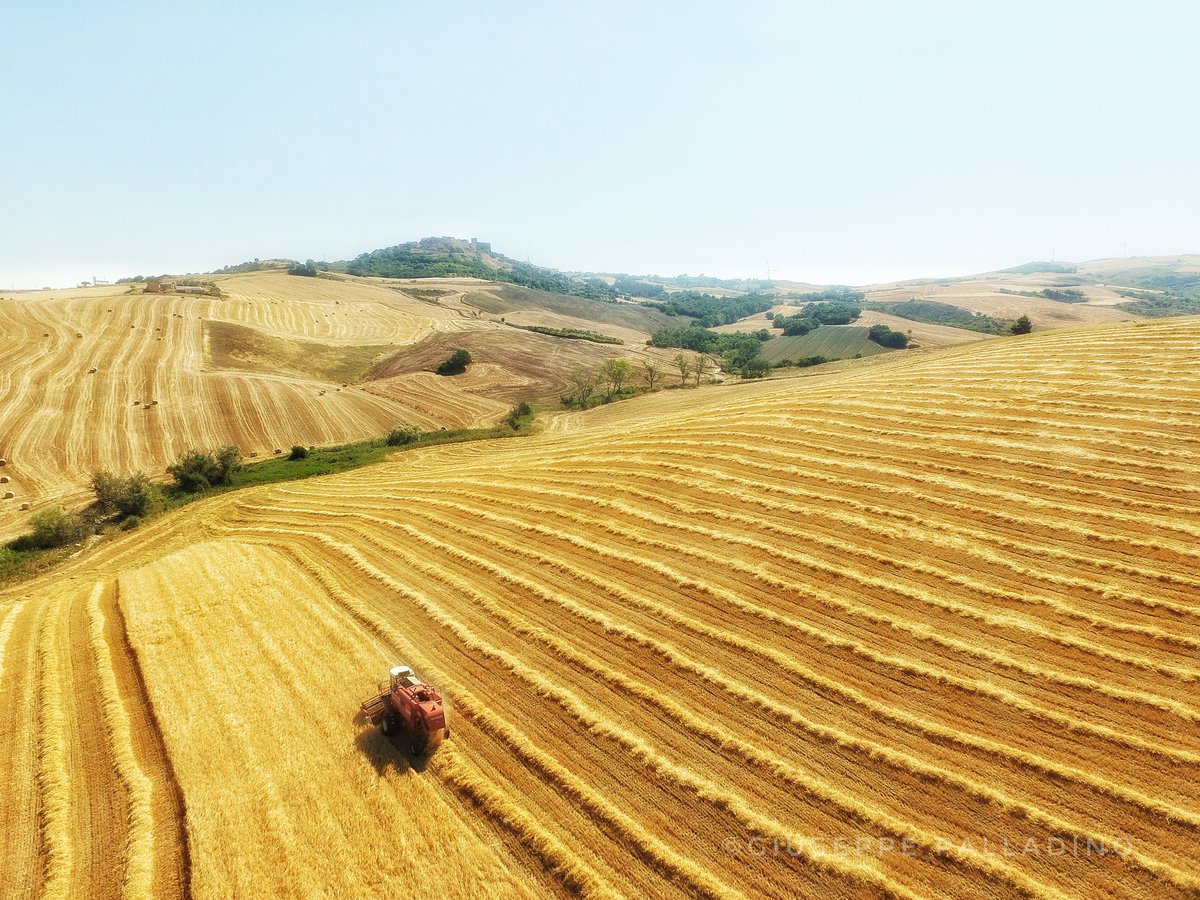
[45, 334]
[79, 334]
[254, 453]
[3, 462]
[25, 505]
[92, 370]
[8, 495]
[154, 403]
[4, 479]
[277, 451]
[146, 405]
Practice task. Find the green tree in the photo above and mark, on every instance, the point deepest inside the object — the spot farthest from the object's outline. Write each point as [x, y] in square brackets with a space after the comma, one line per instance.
[615, 373]
[125, 496]
[229, 464]
[650, 373]
[756, 368]
[198, 470]
[50, 528]
[885, 337]
[194, 471]
[455, 363]
[402, 435]
[684, 365]
[517, 415]
[308, 269]
[1022, 326]
[583, 384]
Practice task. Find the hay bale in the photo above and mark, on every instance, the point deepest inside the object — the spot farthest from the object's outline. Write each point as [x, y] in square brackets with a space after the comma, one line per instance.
[154, 403]
[253, 453]
[4, 479]
[146, 405]
[277, 451]
[79, 334]
[25, 505]
[8, 495]
[92, 370]
[3, 462]
[45, 334]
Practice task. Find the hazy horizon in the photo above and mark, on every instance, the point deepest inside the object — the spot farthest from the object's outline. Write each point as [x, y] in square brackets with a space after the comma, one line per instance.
[863, 144]
[777, 276]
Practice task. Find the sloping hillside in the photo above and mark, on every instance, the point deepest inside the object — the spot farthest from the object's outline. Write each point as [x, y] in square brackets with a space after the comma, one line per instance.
[79, 368]
[928, 634]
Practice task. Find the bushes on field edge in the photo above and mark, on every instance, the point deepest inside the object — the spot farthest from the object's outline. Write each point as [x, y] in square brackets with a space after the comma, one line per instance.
[455, 364]
[121, 495]
[519, 415]
[198, 470]
[403, 435]
[886, 337]
[51, 528]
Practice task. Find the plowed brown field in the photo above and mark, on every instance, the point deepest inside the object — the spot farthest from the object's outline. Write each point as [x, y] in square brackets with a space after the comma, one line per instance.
[929, 629]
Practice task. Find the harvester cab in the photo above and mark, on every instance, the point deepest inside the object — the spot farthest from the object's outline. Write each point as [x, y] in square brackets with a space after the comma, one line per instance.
[403, 676]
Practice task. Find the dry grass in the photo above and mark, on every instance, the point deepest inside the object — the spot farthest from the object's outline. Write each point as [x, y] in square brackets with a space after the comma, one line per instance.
[946, 603]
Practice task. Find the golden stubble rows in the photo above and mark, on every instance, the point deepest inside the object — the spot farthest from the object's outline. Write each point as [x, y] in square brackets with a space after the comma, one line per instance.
[927, 629]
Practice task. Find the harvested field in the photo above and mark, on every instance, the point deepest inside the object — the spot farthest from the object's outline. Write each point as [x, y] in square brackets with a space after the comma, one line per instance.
[509, 364]
[987, 297]
[927, 629]
[221, 370]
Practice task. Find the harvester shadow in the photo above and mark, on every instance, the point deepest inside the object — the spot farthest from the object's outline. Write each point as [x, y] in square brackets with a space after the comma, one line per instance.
[387, 755]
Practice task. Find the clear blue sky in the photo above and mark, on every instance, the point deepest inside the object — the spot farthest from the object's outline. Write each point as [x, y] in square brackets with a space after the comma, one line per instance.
[845, 142]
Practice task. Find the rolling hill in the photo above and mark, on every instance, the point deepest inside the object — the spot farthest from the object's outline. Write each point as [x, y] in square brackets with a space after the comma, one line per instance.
[274, 360]
[928, 628]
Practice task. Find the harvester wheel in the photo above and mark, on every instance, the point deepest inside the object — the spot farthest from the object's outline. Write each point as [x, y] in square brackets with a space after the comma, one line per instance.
[385, 724]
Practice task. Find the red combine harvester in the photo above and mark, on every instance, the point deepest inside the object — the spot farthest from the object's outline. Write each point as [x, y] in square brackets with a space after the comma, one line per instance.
[409, 707]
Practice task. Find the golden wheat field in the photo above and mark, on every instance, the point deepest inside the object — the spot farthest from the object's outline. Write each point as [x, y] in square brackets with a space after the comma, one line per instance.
[81, 371]
[925, 629]
[98, 378]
